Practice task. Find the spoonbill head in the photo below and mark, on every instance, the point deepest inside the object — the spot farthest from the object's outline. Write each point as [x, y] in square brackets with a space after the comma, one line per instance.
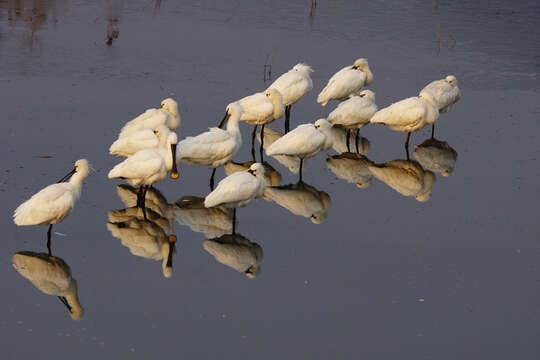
[172, 107]
[362, 64]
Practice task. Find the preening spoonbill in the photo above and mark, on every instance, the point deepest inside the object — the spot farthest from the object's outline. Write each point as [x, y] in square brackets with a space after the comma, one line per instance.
[293, 85]
[52, 276]
[53, 203]
[148, 166]
[260, 109]
[436, 156]
[138, 140]
[443, 93]
[236, 252]
[305, 141]
[347, 81]
[340, 141]
[351, 167]
[354, 112]
[238, 190]
[291, 162]
[166, 115]
[406, 177]
[145, 239]
[212, 222]
[271, 176]
[301, 199]
[215, 147]
[407, 115]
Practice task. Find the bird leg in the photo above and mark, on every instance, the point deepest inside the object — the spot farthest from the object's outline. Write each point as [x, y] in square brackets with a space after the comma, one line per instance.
[407, 145]
[301, 163]
[253, 134]
[212, 179]
[234, 221]
[262, 143]
[145, 189]
[287, 117]
[432, 131]
[49, 239]
[357, 139]
[348, 133]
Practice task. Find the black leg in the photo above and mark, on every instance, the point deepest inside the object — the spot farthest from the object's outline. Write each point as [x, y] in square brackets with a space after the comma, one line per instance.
[262, 142]
[287, 117]
[301, 163]
[357, 139]
[407, 145]
[433, 131]
[253, 134]
[348, 142]
[49, 239]
[234, 221]
[145, 188]
[212, 179]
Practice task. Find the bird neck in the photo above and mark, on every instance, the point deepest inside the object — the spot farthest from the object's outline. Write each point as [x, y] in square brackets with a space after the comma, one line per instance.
[278, 107]
[233, 126]
[432, 112]
[166, 153]
[73, 301]
[369, 76]
[77, 178]
[173, 121]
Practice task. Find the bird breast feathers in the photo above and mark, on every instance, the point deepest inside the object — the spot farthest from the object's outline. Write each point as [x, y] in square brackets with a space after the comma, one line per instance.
[239, 186]
[303, 140]
[292, 86]
[140, 165]
[213, 143]
[408, 112]
[256, 107]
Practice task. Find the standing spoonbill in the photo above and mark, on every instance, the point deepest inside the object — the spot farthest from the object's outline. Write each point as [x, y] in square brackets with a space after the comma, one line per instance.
[305, 141]
[407, 115]
[166, 115]
[260, 109]
[291, 162]
[238, 190]
[52, 276]
[443, 93]
[148, 166]
[215, 147]
[354, 113]
[293, 85]
[347, 81]
[53, 203]
[128, 145]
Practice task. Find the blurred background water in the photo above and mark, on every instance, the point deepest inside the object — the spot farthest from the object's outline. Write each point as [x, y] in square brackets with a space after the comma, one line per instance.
[383, 276]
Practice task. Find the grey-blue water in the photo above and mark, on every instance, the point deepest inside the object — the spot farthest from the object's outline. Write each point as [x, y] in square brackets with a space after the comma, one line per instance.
[383, 277]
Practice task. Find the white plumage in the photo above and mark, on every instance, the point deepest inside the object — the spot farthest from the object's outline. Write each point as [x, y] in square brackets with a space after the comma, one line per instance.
[301, 199]
[238, 189]
[149, 166]
[443, 93]
[215, 147]
[294, 84]
[262, 108]
[52, 276]
[352, 168]
[291, 162]
[166, 115]
[53, 203]
[271, 176]
[236, 252]
[354, 112]
[347, 81]
[406, 177]
[407, 115]
[138, 140]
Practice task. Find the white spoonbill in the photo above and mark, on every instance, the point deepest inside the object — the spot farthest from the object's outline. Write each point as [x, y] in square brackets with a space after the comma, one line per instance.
[406, 177]
[347, 81]
[305, 141]
[436, 156]
[407, 115]
[354, 113]
[291, 162]
[53, 203]
[238, 190]
[215, 147]
[351, 167]
[52, 276]
[260, 109]
[443, 93]
[236, 252]
[148, 166]
[128, 145]
[340, 141]
[212, 222]
[166, 115]
[271, 176]
[293, 85]
[301, 199]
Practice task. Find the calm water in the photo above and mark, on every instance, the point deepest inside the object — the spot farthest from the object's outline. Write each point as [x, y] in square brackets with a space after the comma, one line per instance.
[383, 276]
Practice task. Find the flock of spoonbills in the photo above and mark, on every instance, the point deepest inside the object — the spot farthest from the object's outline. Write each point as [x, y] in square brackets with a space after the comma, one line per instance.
[151, 146]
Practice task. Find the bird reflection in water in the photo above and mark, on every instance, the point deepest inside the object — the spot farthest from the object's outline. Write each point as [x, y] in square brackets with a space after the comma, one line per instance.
[436, 156]
[148, 237]
[351, 167]
[236, 252]
[52, 276]
[212, 222]
[301, 199]
[361, 145]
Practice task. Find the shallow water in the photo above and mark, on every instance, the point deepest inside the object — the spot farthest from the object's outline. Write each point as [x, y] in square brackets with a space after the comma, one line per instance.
[383, 275]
